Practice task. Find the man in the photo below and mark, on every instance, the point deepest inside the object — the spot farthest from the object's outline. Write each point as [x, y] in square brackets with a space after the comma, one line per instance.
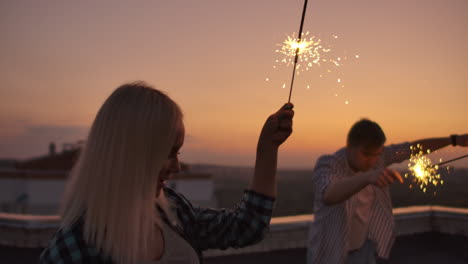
[353, 211]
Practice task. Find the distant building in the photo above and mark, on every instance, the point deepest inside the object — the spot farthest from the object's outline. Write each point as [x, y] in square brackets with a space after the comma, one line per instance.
[7, 163]
[197, 187]
[31, 191]
[36, 186]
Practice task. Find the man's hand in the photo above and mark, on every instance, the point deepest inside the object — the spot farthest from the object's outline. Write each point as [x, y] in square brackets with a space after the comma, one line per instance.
[385, 177]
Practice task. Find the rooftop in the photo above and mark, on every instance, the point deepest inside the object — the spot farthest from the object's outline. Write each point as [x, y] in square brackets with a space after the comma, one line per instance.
[426, 234]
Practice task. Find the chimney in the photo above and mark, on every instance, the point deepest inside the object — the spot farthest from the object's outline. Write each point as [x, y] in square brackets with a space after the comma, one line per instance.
[52, 151]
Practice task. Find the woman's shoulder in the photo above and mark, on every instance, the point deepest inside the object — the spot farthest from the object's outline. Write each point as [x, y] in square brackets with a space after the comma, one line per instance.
[177, 199]
[176, 207]
[67, 245]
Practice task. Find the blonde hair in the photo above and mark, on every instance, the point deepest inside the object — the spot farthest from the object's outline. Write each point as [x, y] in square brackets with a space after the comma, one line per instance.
[113, 185]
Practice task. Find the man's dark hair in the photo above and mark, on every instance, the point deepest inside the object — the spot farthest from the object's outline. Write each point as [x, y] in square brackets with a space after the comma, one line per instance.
[366, 133]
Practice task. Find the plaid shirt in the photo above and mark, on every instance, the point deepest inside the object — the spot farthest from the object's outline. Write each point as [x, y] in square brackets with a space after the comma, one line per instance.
[202, 228]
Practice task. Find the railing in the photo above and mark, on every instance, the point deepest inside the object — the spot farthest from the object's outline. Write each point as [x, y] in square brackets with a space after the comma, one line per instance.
[288, 232]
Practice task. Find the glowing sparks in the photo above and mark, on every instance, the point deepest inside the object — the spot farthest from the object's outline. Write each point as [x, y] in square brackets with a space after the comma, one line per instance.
[314, 54]
[303, 46]
[316, 57]
[421, 168]
[310, 50]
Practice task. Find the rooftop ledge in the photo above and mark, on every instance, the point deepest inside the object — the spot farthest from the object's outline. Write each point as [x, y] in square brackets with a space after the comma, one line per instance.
[289, 232]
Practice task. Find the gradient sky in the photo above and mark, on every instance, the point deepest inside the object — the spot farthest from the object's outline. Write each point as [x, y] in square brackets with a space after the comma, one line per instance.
[61, 59]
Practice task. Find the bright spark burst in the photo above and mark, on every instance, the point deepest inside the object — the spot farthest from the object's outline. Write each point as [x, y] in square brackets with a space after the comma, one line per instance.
[313, 55]
[310, 50]
[421, 168]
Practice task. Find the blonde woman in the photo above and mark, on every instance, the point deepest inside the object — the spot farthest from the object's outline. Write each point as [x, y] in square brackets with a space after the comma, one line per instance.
[116, 208]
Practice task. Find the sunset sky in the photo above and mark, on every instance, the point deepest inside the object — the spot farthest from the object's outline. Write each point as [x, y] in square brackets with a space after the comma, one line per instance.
[61, 59]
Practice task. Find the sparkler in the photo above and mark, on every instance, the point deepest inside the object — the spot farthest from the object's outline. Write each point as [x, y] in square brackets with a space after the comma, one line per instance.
[424, 172]
[305, 52]
[299, 44]
[310, 52]
[447, 161]
[421, 167]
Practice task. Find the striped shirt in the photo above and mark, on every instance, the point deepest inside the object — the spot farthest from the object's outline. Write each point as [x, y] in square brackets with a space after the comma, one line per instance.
[329, 232]
[202, 228]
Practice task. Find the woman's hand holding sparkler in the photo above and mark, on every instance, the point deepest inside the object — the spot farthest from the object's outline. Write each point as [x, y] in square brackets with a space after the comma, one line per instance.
[385, 177]
[277, 128]
[275, 131]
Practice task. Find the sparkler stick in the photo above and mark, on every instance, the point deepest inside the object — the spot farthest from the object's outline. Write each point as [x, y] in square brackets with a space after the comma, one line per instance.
[447, 161]
[297, 50]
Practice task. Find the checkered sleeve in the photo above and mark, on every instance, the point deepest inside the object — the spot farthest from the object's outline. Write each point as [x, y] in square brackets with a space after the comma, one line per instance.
[67, 246]
[245, 225]
[208, 228]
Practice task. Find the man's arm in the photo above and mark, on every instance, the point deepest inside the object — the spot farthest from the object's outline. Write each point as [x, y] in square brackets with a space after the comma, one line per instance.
[438, 143]
[400, 152]
[342, 189]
